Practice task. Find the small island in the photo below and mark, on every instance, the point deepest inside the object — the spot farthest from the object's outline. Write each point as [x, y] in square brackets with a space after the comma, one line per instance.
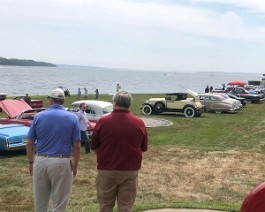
[19, 62]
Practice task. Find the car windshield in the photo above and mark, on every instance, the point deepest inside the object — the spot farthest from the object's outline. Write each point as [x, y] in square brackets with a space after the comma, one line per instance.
[225, 95]
[107, 109]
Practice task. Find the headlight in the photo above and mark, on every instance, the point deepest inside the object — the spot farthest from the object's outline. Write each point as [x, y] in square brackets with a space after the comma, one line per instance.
[24, 140]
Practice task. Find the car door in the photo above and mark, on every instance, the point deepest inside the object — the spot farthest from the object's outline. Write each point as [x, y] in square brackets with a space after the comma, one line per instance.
[206, 101]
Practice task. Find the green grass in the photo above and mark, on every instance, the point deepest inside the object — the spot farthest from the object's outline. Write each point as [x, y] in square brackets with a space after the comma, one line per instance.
[210, 133]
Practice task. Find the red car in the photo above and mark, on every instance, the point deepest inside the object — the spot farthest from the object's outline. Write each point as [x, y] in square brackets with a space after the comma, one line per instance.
[18, 112]
[34, 103]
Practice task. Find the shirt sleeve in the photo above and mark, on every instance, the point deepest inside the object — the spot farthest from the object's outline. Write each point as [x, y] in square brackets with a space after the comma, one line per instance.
[76, 131]
[32, 131]
[144, 146]
[95, 137]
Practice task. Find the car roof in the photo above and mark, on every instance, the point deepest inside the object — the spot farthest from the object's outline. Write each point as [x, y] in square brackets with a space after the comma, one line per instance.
[93, 102]
[13, 108]
[180, 93]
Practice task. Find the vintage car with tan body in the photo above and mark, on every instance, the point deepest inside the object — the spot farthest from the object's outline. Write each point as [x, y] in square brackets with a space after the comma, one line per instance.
[185, 103]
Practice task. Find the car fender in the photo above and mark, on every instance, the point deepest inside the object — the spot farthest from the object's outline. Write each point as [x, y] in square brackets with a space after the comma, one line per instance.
[152, 106]
[189, 105]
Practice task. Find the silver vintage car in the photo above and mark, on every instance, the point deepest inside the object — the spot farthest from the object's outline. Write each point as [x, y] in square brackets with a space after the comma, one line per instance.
[218, 103]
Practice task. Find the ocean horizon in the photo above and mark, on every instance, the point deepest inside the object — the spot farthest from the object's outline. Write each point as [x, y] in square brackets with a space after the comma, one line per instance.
[35, 80]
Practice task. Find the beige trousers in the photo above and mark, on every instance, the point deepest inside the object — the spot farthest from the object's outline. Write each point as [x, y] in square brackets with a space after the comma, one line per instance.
[120, 185]
[52, 178]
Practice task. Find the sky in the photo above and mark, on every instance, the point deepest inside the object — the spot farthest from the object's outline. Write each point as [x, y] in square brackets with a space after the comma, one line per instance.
[164, 35]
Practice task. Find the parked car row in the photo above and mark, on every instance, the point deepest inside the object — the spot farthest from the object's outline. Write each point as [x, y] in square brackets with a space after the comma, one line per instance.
[253, 96]
[192, 104]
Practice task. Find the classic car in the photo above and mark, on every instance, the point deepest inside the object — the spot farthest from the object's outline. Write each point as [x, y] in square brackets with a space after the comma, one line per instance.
[18, 112]
[95, 110]
[13, 136]
[34, 103]
[243, 93]
[184, 103]
[233, 100]
[217, 103]
[241, 99]
[3, 96]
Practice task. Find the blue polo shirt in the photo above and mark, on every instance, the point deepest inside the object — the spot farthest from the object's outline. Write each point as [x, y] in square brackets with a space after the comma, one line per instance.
[54, 131]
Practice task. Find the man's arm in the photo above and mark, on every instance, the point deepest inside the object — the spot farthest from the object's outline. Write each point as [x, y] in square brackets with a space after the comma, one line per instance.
[76, 156]
[30, 155]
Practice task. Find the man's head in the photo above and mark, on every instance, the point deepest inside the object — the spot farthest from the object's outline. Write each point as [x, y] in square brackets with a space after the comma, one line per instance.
[122, 99]
[56, 96]
[83, 106]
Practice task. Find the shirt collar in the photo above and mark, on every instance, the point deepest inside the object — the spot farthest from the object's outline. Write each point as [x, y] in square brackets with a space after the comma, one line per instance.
[56, 106]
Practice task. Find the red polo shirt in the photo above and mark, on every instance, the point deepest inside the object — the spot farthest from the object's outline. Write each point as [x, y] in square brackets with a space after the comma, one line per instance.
[119, 140]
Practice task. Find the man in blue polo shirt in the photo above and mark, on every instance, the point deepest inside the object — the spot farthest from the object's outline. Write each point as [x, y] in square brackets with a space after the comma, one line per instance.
[56, 134]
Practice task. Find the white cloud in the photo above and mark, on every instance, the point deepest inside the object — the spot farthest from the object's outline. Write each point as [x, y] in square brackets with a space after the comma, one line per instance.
[256, 5]
[120, 32]
[122, 15]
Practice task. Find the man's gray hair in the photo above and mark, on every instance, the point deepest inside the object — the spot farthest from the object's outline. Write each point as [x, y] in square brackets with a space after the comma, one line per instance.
[122, 99]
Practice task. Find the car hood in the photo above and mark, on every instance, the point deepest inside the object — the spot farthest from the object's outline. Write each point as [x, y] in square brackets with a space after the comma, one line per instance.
[8, 130]
[192, 93]
[13, 108]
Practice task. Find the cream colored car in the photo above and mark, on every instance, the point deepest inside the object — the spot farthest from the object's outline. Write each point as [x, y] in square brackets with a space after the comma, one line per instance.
[185, 103]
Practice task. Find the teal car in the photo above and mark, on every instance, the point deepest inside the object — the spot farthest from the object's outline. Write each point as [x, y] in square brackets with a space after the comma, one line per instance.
[13, 136]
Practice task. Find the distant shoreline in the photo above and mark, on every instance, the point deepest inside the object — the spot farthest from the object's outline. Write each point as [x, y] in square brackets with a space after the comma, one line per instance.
[19, 62]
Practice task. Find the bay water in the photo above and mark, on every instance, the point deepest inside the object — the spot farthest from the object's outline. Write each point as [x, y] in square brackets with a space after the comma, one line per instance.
[18, 80]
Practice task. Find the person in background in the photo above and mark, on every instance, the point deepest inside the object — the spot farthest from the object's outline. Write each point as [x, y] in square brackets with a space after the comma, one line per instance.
[211, 89]
[83, 121]
[55, 133]
[97, 94]
[206, 89]
[67, 93]
[85, 93]
[118, 140]
[78, 94]
[27, 99]
[118, 87]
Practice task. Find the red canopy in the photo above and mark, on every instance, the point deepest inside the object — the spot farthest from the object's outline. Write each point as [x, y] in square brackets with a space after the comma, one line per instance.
[237, 82]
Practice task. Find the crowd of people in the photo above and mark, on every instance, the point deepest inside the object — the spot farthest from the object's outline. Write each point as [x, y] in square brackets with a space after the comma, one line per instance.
[118, 140]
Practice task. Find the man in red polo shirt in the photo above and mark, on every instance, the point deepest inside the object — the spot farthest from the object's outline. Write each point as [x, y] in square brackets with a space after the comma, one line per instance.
[118, 140]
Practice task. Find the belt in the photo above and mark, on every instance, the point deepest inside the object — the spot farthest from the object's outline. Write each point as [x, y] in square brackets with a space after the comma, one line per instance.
[53, 156]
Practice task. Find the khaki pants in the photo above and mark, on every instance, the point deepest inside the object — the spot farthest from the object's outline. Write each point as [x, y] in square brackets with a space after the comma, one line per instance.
[52, 177]
[116, 184]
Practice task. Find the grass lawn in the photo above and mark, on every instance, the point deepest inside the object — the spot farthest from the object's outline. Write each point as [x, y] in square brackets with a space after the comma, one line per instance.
[210, 162]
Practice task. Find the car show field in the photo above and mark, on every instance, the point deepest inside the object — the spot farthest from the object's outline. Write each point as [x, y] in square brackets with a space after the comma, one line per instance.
[208, 162]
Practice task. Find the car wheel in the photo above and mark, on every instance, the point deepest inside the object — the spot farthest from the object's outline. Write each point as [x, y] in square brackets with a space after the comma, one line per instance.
[147, 110]
[189, 112]
[159, 107]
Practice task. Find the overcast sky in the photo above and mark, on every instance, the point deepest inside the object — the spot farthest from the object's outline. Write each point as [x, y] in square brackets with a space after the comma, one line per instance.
[168, 35]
